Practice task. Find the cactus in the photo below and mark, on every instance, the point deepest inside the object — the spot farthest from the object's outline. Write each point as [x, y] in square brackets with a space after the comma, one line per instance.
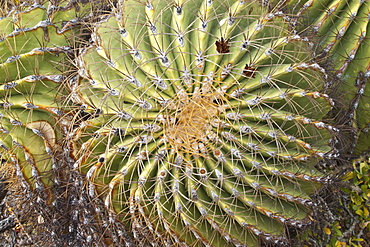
[196, 123]
[203, 121]
[32, 46]
[342, 28]
[36, 52]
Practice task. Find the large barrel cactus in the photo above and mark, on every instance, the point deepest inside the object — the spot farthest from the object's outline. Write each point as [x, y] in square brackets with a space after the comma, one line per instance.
[203, 121]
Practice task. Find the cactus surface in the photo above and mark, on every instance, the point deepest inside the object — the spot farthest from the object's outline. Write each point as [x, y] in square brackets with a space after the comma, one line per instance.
[204, 121]
[194, 122]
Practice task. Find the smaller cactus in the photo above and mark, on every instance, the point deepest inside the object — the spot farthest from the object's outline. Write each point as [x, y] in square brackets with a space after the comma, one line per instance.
[31, 48]
[35, 45]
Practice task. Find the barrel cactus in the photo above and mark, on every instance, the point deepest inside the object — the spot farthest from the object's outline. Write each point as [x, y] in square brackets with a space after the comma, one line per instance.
[202, 121]
[342, 28]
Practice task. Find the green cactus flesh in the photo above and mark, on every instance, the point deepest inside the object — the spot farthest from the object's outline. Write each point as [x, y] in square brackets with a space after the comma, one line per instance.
[343, 28]
[32, 49]
[205, 121]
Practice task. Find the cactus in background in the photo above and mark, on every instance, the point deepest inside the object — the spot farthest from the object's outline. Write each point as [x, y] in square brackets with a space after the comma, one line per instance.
[37, 46]
[343, 30]
[204, 121]
[33, 45]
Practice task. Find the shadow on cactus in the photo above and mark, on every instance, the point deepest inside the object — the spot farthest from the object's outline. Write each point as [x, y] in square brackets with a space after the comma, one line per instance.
[205, 121]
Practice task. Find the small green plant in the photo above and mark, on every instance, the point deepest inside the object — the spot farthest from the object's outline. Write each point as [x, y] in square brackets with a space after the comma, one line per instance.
[359, 194]
[345, 206]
